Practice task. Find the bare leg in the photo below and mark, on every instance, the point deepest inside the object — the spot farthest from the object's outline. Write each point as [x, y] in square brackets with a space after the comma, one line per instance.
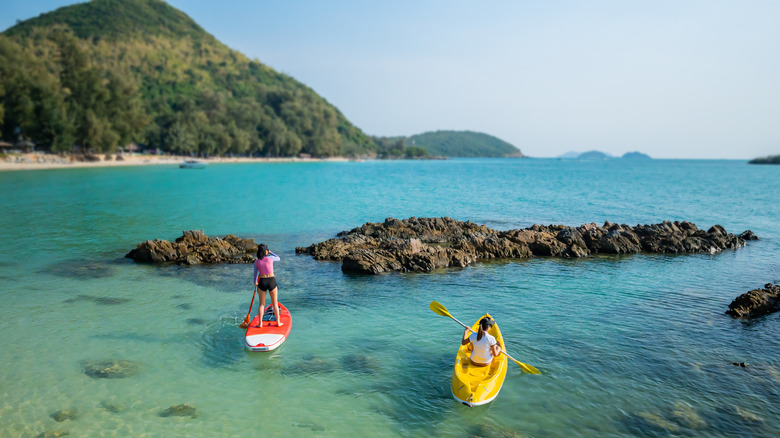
[275, 303]
[262, 306]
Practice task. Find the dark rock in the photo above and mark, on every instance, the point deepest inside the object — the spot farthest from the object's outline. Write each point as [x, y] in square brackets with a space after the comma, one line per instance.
[748, 235]
[182, 410]
[425, 244]
[110, 369]
[194, 248]
[755, 303]
[64, 414]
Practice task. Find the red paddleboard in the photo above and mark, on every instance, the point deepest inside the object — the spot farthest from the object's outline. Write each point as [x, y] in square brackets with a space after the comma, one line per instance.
[267, 336]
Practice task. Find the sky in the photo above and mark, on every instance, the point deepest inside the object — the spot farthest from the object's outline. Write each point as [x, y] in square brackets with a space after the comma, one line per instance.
[670, 78]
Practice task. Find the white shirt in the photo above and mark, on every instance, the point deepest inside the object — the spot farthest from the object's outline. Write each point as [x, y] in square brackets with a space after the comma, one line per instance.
[481, 351]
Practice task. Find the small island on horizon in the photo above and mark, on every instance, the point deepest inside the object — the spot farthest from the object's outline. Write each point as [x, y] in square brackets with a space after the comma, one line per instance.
[772, 159]
[599, 155]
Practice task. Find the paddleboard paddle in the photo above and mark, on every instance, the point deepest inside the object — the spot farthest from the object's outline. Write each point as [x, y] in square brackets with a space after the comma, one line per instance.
[248, 319]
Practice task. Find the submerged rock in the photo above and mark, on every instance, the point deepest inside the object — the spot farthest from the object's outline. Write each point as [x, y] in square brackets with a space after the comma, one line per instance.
[79, 269]
[309, 366]
[110, 368]
[688, 416]
[360, 364]
[425, 244]
[314, 427]
[193, 248]
[748, 415]
[491, 431]
[757, 302]
[196, 321]
[111, 406]
[658, 422]
[182, 410]
[104, 301]
[53, 433]
[65, 414]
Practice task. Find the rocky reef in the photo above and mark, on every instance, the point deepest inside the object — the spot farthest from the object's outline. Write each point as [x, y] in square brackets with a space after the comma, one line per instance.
[193, 248]
[182, 410]
[757, 302]
[110, 368]
[424, 244]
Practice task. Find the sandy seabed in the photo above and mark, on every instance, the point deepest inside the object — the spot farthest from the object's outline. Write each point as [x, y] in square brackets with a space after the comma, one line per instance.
[50, 161]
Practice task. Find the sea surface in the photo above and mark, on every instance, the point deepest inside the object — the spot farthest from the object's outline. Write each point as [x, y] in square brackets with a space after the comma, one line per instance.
[635, 345]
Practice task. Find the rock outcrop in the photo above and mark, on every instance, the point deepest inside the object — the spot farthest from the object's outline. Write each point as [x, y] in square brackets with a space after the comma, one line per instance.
[194, 247]
[424, 244]
[757, 302]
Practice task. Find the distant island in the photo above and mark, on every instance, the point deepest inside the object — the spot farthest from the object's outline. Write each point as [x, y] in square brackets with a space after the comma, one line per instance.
[773, 159]
[594, 155]
[636, 156]
[463, 144]
[598, 155]
[110, 76]
[446, 144]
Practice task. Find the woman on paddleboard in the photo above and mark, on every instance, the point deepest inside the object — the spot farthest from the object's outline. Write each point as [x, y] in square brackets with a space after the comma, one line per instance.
[265, 280]
[484, 346]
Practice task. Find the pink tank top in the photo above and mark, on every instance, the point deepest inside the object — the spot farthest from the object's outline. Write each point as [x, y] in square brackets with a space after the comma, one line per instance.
[265, 267]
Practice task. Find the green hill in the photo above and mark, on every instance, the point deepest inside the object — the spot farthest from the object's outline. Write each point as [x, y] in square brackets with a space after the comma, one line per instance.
[773, 159]
[636, 156]
[106, 73]
[463, 144]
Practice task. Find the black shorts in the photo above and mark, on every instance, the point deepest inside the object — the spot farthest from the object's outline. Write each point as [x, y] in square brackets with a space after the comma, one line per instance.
[266, 283]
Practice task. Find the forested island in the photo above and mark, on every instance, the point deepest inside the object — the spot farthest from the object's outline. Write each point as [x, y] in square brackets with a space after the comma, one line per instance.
[101, 75]
[463, 144]
[774, 159]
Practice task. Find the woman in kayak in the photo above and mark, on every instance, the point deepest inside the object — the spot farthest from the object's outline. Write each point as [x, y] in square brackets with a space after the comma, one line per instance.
[265, 280]
[484, 346]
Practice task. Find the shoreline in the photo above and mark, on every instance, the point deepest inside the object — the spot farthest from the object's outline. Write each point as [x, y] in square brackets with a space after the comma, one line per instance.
[38, 161]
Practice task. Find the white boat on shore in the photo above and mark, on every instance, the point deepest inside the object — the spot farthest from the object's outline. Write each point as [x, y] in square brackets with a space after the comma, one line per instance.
[192, 164]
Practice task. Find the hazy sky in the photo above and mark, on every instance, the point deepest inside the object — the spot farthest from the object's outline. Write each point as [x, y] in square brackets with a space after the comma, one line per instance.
[671, 78]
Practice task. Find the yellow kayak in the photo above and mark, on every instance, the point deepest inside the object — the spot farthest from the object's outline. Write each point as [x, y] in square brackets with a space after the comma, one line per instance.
[475, 385]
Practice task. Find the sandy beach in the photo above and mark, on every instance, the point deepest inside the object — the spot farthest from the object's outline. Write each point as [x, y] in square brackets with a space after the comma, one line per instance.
[38, 161]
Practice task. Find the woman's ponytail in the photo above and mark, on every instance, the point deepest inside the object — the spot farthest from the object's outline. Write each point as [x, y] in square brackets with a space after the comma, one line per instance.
[484, 326]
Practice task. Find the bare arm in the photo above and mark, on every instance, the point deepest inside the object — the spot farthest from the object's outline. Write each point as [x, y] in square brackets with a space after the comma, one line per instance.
[465, 339]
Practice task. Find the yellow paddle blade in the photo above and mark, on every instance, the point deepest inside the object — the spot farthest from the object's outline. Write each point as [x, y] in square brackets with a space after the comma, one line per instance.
[438, 308]
[524, 366]
[529, 368]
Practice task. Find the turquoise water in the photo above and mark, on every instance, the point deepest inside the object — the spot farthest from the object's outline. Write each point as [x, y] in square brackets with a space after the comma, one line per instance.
[628, 345]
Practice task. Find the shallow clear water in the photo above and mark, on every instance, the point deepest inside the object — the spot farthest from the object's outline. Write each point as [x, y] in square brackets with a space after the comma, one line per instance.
[628, 345]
